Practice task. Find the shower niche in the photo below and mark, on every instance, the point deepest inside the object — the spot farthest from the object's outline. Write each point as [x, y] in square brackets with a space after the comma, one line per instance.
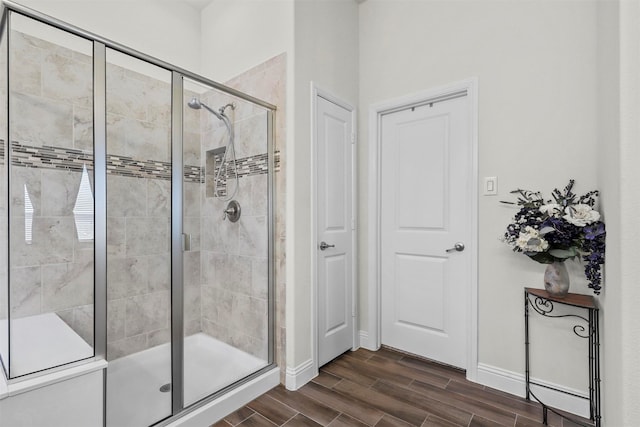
[213, 165]
[114, 196]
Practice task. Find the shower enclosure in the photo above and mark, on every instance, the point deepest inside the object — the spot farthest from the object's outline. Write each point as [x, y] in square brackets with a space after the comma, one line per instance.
[135, 219]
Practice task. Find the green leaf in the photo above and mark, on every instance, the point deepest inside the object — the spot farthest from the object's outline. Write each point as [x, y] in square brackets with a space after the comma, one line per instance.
[564, 253]
[541, 257]
[546, 230]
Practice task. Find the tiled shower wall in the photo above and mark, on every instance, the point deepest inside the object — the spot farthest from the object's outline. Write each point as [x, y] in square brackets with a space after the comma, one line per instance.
[232, 257]
[234, 284]
[138, 210]
[267, 81]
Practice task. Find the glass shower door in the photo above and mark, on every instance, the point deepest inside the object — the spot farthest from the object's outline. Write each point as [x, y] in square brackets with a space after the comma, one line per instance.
[138, 105]
[225, 222]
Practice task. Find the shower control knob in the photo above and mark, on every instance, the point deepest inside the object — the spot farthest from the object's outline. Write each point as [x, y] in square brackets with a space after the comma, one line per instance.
[324, 245]
[232, 212]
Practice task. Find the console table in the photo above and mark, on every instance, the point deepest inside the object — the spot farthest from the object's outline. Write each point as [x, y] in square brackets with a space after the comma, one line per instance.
[543, 304]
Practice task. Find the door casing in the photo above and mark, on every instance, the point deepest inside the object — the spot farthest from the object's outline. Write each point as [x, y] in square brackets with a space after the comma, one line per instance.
[317, 92]
[372, 338]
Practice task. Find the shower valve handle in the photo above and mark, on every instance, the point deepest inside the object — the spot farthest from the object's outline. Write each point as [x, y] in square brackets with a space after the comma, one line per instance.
[232, 212]
[229, 212]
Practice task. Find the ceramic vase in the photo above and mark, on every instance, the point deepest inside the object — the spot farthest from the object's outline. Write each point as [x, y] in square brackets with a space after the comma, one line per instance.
[556, 279]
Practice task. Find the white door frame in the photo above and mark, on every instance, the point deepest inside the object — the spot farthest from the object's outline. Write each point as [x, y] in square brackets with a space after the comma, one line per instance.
[317, 91]
[376, 112]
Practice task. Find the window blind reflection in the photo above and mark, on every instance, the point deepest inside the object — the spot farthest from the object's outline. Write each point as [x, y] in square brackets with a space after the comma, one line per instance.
[83, 209]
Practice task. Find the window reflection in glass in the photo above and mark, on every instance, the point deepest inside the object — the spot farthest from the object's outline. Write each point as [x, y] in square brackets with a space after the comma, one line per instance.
[83, 209]
[28, 217]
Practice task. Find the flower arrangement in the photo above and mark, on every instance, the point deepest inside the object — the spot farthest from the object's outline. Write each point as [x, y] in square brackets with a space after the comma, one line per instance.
[566, 227]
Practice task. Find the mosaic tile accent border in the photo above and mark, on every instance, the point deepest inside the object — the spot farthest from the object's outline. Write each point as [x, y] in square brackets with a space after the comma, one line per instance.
[126, 166]
[50, 157]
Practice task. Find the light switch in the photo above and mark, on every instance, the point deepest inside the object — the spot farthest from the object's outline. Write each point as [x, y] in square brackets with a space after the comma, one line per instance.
[490, 185]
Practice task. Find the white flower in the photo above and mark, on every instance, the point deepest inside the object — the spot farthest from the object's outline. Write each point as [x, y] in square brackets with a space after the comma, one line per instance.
[581, 215]
[530, 240]
[551, 209]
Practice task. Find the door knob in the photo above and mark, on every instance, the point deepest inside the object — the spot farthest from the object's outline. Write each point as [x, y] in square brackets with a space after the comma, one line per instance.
[458, 247]
[324, 245]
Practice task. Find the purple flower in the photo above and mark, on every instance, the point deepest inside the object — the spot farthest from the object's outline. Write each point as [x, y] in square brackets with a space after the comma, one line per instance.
[593, 231]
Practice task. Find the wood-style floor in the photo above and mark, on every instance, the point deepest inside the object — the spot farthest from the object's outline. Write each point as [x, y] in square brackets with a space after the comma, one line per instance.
[386, 389]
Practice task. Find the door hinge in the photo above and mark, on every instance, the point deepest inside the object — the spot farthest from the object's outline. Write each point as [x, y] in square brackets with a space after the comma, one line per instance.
[353, 137]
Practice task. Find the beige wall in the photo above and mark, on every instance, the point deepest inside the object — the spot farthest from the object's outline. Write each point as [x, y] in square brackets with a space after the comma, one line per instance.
[621, 176]
[326, 52]
[536, 69]
[609, 151]
[238, 35]
[586, 61]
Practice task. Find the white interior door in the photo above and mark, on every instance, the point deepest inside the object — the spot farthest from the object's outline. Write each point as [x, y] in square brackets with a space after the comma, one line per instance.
[426, 183]
[334, 204]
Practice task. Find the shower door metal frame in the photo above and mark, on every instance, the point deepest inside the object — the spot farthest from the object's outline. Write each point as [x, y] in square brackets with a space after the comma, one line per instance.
[100, 199]
[177, 248]
[100, 46]
[5, 28]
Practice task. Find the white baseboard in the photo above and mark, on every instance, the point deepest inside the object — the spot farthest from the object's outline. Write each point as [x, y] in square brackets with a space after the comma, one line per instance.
[229, 402]
[300, 375]
[514, 383]
[365, 342]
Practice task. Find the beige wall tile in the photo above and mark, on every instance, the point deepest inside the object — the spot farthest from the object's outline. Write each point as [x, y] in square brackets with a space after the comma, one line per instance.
[147, 236]
[147, 313]
[66, 285]
[67, 80]
[40, 121]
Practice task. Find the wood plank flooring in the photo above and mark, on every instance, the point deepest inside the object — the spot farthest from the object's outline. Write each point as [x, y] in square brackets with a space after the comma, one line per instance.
[389, 389]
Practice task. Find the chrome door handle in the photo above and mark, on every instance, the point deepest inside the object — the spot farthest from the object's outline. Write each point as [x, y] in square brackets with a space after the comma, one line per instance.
[324, 245]
[458, 247]
[186, 242]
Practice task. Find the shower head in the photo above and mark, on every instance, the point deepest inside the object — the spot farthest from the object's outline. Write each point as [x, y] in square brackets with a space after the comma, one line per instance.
[196, 105]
